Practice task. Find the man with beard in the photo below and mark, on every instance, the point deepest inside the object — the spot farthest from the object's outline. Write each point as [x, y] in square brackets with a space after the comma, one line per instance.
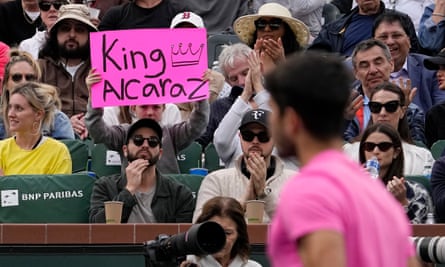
[257, 174]
[147, 195]
[65, 62]
[332, 213]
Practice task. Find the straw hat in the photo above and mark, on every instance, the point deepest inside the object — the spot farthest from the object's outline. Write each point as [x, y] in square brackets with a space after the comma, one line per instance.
[77, 12]
[245, 26]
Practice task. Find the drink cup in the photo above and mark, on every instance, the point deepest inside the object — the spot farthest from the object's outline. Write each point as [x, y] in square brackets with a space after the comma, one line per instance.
[254, 211]
[113, 211]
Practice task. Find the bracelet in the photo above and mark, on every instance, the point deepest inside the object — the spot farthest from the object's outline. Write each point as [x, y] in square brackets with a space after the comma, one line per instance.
[438, 15]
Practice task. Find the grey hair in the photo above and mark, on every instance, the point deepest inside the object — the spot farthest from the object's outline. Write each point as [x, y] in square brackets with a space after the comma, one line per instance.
[368, 44]
[230, 54]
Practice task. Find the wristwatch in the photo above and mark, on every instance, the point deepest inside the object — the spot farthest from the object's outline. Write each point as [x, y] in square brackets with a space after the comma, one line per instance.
[267, 190]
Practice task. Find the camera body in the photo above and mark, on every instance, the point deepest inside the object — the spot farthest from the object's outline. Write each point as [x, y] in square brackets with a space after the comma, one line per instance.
[201, 239]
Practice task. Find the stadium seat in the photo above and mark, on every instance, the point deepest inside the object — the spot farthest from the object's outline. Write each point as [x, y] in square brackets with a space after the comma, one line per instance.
[192, 181]
[215, 45]
[79, 152]
[212, 161]
[437, 148]
[104, 161]
[190, 157]
[59, 198]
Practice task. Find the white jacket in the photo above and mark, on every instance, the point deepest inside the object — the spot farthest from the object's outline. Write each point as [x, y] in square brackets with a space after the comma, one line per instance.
[232, 183]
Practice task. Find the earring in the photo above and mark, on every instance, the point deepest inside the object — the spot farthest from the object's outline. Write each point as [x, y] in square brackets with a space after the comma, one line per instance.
[35, 128]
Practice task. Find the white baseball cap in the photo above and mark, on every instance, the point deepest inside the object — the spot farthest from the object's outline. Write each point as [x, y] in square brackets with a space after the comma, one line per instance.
[187, 17]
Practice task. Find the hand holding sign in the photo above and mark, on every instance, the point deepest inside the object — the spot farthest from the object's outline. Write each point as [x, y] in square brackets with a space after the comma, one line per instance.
[92, 79]
[138, 70]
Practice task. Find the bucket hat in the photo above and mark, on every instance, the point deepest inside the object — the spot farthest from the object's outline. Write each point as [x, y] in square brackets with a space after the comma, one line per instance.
[77, 12]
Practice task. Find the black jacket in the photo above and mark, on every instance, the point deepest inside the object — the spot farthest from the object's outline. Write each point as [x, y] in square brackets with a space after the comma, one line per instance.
[172, 202]
[332, 35]
[14, 23]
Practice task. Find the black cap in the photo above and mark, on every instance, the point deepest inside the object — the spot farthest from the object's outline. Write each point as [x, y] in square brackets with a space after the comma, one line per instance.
[255, 115]
[144, 123]
[433, 63]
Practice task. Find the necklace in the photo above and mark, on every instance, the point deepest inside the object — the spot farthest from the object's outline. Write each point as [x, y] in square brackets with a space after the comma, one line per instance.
[27, 18]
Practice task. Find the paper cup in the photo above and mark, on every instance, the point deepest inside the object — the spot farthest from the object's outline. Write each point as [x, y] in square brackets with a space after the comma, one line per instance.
[254, 211]
[113, 211]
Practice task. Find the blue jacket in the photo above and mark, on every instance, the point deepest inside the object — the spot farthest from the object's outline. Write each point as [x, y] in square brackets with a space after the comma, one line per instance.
[431, 35]
[428, 93]
[331, 36]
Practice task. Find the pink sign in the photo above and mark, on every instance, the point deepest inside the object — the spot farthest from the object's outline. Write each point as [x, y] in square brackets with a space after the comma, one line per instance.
[149, 66]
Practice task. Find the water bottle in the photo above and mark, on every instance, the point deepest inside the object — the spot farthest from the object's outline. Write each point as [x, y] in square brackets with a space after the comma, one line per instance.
[373, 167]
[430, 218]
[427, 169]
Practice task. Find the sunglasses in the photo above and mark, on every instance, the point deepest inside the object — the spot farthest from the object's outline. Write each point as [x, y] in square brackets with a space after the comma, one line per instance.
[390, 106]
[152, 141]
[45, 6]
[18, 77]
[248, 136]
[274, 24]
[383, 146]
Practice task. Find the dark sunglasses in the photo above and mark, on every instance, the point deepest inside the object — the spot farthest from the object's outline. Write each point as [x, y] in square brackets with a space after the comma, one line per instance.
[248, 136]
[391, 106]
[45, 6]
[383, 146]
[152, 141]
[18, 77]
[274, 24]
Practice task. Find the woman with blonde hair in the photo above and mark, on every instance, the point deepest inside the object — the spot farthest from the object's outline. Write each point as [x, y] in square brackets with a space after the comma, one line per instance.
[21, 68]
[31, 107]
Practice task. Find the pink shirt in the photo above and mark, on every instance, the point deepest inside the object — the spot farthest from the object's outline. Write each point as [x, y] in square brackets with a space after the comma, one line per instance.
[334, 193]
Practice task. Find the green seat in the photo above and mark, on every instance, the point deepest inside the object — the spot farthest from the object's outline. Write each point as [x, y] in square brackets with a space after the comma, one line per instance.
[421, 180]
[192, 181]
[211, 158]
[79, 152]
[190, 157]
[437, 148]
[60, 198]
[105, 162]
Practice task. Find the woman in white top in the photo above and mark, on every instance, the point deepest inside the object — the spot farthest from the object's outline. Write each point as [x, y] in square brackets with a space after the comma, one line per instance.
[387, 105]
[229, 213]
